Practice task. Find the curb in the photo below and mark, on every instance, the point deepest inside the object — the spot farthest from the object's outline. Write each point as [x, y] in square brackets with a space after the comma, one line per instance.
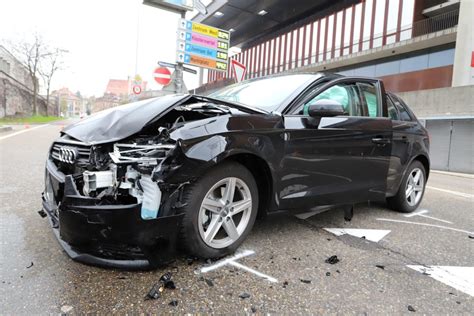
[454, 174]
[4, 129]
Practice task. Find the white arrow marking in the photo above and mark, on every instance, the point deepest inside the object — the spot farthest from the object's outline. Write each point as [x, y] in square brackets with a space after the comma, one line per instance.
[422, 214]
[460, 278]
[374, 235]
[232, 261]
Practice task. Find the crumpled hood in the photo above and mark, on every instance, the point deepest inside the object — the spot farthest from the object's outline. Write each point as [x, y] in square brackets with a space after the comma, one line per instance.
[122, 121]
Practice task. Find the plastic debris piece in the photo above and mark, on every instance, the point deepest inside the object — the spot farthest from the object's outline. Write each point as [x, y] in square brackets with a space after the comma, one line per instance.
[328, 273]
[173, 303]
[285, 284]
[348, 213]
[167, 282]
[209, 282]
[411, 309]
[254, 309]
[244, 295]
[42, 213]
[338, 271]
[332, 260]
[380, 266]
[31, 264]
[471, 237]
[154, 293]
[305, 281]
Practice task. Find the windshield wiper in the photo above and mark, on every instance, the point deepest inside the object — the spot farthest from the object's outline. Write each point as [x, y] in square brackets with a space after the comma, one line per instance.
[232, 104]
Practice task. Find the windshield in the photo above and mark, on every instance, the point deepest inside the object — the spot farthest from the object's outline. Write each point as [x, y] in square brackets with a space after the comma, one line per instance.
[266, 94]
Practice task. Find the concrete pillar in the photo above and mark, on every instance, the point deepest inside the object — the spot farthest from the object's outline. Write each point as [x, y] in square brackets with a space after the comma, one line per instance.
[463, 72]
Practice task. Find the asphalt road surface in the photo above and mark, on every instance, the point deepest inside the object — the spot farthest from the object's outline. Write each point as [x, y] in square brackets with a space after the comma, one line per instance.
[421, 264]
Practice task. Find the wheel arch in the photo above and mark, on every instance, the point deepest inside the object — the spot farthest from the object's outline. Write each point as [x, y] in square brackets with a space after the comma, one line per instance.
[424, 161]
[262, 174]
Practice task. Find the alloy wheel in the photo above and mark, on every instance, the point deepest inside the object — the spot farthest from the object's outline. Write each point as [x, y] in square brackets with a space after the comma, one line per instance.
[225, 212]
[415, 186]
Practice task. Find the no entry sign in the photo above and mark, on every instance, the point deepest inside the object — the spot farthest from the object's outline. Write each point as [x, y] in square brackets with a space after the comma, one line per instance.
[162, 75]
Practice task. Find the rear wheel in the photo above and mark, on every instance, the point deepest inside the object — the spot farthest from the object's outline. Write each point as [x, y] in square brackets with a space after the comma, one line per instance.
[220, 211]
[411, 191]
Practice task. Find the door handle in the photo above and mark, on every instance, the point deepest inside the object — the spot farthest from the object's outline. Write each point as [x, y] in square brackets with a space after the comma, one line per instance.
[381, 140]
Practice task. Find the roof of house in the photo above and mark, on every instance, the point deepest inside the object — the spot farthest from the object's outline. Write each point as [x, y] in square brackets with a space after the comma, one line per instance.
[117, 87]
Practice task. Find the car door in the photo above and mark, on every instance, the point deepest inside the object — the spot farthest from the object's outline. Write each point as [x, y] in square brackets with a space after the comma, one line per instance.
[403, 127]
[336, 160]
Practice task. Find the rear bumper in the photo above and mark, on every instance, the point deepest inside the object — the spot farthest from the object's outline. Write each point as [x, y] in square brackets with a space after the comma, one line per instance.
[113, 236]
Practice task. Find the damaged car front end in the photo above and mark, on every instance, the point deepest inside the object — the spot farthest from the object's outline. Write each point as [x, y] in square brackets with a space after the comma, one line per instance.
[111, 187]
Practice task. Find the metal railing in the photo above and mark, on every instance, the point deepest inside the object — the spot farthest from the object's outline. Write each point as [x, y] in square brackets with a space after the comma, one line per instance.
[431, 25]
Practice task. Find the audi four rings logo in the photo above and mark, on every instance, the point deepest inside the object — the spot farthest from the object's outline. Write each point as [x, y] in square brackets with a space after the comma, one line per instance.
[67, 155]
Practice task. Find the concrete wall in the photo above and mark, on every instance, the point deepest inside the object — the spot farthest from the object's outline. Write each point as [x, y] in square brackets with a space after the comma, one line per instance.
[453, 101]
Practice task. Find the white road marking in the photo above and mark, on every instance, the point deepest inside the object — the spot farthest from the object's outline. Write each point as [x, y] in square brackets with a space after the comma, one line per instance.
[22, 131]
[424, 224]
[374, 235]
[232, 261]
[260, 274]
[460, 278]
[461, 194]
[422, 214]
[224, 262]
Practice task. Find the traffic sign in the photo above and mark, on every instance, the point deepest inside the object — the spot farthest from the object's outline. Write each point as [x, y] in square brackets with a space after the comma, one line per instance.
[162, 76]
[239, 70]
[137, 89]
[202, 45]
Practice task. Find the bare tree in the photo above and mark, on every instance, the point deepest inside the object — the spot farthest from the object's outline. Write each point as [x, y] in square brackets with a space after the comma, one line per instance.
[31, 54]
[50, 65]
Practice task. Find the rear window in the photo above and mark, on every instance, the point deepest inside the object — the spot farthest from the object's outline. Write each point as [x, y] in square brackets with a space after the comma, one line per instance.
[403, 113]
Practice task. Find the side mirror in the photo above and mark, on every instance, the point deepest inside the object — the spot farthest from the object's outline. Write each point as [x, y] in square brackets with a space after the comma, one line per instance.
[325, 107]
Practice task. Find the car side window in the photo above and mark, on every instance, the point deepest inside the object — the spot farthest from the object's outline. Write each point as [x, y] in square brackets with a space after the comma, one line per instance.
[392, 110]
[345, 94]
[369, 95]
[403, 113]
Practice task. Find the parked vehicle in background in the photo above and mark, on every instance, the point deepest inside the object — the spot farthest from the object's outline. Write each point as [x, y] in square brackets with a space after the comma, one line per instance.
[124, 186]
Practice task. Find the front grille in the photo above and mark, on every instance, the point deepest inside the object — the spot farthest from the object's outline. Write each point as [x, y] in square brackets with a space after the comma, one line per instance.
[72, 152]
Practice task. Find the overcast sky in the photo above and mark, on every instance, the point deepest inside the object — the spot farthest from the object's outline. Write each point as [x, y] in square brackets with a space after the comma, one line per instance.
[100, 37]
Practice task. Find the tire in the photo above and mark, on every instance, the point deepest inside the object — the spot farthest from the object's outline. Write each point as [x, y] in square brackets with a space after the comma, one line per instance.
[196, 235]
[407, 204]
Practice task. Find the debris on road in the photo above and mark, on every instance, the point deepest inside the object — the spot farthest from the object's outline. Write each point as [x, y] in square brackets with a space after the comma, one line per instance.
[328, 273]
[253, 309]
[173, 303]
[244, 295]
[42, 213]
[305, 281]
[348, 212]
[471, 237]
[164, 283]
[154, 293]
[31, 264]
[332, 260]
[411, 309]
[167, 282]
[380, 266]
[285, 284]
[209, 282]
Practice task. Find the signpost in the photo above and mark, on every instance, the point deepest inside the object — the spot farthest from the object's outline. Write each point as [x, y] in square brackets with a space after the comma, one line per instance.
[137, 89]
[239, 70]
[202, 45]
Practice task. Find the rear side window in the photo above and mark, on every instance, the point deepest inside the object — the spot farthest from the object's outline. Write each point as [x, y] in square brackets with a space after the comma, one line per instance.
[403, 113]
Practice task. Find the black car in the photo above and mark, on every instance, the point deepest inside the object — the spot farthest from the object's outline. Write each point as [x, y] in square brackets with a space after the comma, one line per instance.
[128, 185]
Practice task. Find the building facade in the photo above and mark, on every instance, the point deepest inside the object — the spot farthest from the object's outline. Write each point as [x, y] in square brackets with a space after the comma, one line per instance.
[422, 49]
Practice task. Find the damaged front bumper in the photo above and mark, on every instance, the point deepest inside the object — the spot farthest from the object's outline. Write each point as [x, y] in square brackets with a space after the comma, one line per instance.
[106, 235]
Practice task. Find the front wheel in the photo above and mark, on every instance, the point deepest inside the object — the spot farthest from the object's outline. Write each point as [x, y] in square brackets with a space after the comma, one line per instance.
[411, 191]
[219, 212]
